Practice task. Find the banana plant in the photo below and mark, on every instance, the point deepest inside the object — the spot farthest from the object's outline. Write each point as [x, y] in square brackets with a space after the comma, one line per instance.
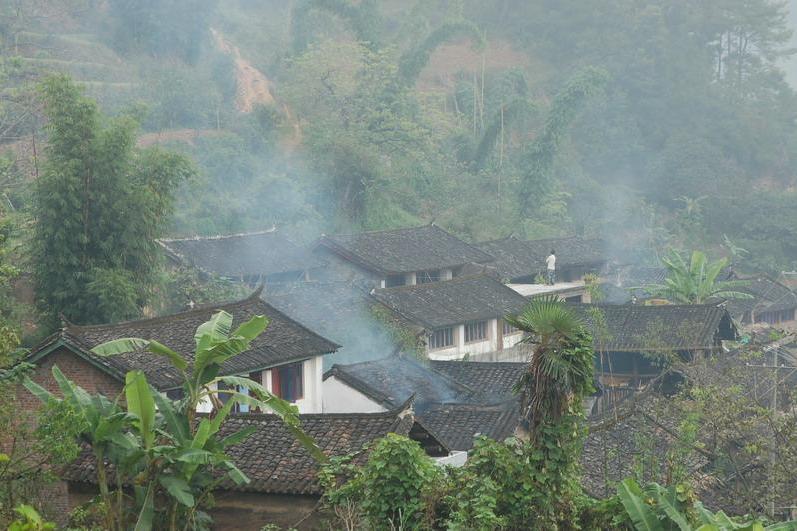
[696, 281]
[658, 508]
[159, 448]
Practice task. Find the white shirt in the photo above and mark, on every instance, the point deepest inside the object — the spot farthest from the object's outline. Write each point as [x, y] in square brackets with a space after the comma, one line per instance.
[551, 262]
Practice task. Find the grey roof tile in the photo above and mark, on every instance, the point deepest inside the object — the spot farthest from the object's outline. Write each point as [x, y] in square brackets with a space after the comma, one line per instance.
[272, 458]
[516, 258]
[405, 250]
[456, 301]
[236, 255]
[640, 328]
[283, 341]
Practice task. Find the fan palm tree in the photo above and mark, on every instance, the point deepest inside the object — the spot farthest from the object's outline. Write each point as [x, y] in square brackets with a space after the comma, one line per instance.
[697, 281]
[561, 367]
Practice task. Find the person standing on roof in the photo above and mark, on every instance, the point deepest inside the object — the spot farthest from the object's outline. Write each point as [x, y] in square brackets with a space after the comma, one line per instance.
[550, 262]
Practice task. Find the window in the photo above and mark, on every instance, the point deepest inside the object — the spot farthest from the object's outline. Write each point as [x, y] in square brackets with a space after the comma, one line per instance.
[424, 277]
[509, 329]
[393, 281]
[475, 331]
[441, 338]
[287, 381]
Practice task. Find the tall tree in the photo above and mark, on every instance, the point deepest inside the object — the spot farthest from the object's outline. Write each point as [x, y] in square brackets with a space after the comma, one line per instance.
[100, 204]
[559, 377]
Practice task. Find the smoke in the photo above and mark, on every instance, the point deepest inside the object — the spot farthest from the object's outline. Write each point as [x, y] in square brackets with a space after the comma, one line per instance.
[339, 311]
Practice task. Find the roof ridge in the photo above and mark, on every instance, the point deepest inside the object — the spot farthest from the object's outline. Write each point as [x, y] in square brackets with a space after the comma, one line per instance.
[268, 416]
[255, 295]
[381, 231]
[338, 369]
[438, 283]
[272, 230]
[469, 362]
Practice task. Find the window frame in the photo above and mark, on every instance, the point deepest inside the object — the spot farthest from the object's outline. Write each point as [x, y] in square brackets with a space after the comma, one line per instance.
[277, 379]
[432, 275]
[482, 327]
[451, 333]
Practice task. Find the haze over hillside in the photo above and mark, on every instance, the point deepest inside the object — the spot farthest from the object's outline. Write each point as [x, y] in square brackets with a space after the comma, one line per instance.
[645, 124]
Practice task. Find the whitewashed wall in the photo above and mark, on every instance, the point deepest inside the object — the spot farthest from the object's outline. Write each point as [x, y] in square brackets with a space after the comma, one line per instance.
[340, 398]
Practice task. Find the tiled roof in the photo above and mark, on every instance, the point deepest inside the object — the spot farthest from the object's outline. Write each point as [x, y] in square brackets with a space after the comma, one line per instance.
[271, 457]
[640, 328]
[450, 302]
[283, 341]
[249, 254]
[405, 250]
[486, 377]
[769, 296]
[456, 425]
[392, 380]
[516, 258]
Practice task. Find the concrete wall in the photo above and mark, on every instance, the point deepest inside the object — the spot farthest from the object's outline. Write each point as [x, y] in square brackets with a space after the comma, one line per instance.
[340, 398]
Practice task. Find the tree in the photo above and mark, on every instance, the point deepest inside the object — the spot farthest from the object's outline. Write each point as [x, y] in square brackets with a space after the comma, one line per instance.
[159, 445]
[537, 181]
[559, 376]
[99, 205]
[696, 282]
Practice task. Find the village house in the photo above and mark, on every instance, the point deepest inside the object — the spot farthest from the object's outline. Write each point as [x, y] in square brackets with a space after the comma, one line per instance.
[457, 317]
[454, 400]
[286, 358]
[255, 258]
[284, 487]
[633, 342]
[398, 257]
[773, 303]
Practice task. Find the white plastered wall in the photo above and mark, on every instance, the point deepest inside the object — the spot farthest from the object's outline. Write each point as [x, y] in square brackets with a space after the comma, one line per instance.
[340, 398]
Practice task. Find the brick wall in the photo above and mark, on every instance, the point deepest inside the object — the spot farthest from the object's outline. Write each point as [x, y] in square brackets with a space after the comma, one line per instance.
[76, 369]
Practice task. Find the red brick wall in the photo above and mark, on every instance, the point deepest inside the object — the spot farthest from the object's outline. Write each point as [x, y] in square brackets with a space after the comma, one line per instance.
[76, 369]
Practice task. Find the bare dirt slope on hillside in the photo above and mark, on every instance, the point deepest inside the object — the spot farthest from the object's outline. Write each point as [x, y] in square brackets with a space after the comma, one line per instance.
[253, 87]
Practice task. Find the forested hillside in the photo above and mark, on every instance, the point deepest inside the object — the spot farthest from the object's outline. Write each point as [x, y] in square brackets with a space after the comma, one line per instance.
[651, 124]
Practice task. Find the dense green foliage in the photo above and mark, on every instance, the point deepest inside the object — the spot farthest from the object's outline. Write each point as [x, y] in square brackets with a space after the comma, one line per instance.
[649, 123]
[100, 204]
